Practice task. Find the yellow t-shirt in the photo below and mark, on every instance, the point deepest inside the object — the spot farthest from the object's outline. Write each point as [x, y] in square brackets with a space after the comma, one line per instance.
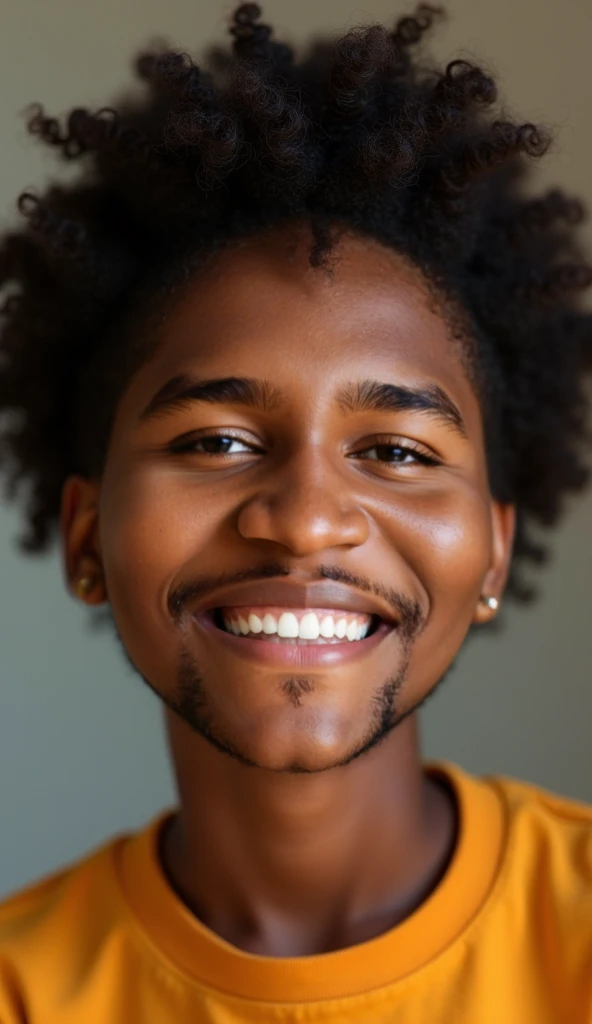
[505, 938]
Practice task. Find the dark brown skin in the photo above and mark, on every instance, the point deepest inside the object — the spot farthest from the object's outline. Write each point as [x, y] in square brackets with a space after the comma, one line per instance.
[277, 862]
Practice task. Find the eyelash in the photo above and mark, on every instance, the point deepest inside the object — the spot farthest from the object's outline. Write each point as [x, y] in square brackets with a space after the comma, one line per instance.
[386, 441]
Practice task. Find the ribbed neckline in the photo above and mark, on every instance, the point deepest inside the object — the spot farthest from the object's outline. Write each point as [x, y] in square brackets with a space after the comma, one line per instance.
[205, 957]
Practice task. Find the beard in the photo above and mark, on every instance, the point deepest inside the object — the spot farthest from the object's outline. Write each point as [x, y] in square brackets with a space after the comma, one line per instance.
[190, 701]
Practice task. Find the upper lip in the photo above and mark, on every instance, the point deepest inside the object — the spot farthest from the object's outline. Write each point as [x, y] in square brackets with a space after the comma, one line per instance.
[325, 594]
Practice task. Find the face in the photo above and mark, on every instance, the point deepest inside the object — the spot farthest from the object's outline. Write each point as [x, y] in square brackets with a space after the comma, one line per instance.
[349, 495]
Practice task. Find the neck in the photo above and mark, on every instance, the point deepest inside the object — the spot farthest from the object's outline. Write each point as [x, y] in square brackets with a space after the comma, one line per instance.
[292, 865]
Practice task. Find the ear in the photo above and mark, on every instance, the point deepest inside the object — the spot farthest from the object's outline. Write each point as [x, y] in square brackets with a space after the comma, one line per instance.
[503, 529]
[79, 530]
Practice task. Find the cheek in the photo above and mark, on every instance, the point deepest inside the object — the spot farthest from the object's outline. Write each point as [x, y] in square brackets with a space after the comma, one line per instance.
[458, 541]
[449, 550]
[446, 539]
[153, 526]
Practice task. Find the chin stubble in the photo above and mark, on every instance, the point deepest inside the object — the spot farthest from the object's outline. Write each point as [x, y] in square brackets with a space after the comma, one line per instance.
[190, 702]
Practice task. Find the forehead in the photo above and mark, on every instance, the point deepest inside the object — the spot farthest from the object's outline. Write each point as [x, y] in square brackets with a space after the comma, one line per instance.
[260, 309]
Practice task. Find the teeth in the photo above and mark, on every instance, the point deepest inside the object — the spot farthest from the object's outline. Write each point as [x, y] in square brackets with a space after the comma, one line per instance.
[310, 628]
[287, 625]
[327, 626]
[255, 623]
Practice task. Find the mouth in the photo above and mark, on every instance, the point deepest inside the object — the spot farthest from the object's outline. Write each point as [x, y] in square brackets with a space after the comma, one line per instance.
[294, 637]
[321, 626]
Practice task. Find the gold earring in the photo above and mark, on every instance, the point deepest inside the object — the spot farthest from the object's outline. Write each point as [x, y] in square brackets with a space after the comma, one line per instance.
[491, 602]
[84, 585]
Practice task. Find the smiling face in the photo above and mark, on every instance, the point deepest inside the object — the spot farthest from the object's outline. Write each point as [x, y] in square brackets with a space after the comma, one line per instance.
[303, 474]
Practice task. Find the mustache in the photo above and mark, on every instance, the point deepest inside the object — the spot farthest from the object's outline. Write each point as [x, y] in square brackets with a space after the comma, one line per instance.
[407, 610]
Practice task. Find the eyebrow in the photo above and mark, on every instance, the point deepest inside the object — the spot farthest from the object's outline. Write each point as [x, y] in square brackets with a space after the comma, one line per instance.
[353, 397]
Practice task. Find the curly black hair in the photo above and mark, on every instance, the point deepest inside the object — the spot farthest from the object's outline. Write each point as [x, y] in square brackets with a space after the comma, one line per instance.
[361, 133]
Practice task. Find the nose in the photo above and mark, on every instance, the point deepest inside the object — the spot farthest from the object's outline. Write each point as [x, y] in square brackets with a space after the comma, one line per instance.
[305, 507]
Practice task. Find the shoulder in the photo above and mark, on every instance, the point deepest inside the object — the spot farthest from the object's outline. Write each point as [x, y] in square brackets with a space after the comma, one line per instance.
[546, 870]
[547, 832]
[537, 822]
[57, 920]
[545, 840]
[536, 919]
[35, 904]
[548, 820]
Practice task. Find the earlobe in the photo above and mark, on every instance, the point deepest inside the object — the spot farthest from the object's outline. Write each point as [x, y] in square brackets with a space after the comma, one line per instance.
[503, 523]
[82, 564]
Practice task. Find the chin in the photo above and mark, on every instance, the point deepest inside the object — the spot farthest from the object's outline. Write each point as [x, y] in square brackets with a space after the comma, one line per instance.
[306, 741]
[295, 726]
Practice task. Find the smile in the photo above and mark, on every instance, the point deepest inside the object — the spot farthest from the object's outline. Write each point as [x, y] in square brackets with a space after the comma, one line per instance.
[294, 637]
[297, 625]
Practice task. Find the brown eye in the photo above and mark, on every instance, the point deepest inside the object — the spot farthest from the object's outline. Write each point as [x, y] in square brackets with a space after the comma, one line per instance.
[212, 444]
[397, 455]
[215, 445]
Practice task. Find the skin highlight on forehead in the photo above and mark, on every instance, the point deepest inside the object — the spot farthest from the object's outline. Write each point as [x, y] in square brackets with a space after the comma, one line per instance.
[282, 253]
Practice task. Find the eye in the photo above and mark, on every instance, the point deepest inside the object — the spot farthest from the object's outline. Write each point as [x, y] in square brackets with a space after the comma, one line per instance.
[211, 445]
[388, 451]
[391, 452]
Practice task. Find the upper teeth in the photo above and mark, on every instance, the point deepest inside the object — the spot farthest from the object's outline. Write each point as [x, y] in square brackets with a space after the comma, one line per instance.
[306, 625]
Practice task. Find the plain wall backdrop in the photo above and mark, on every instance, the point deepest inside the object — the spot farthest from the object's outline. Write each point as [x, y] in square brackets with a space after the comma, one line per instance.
[82, 749]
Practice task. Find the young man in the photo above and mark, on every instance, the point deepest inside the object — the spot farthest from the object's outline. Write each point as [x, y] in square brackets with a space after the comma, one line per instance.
[298, 365]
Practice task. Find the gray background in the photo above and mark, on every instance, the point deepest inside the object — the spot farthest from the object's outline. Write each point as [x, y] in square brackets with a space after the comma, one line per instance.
[82, 751]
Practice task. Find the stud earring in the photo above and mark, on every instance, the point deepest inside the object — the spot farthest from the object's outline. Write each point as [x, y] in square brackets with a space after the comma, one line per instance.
[491, 602]
[84, 585]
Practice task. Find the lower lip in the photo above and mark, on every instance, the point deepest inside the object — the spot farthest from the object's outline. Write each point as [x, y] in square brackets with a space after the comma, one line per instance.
[292, 655]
